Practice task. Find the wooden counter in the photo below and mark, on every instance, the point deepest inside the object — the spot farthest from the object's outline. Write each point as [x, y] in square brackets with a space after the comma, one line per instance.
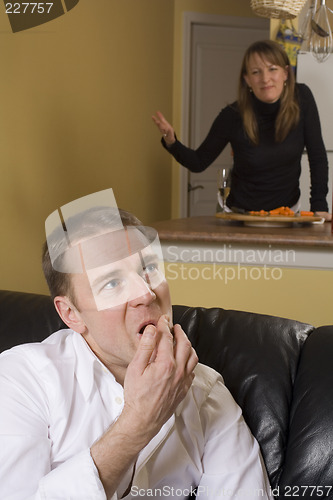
[282, 271]
[209, 239]
[211, 229]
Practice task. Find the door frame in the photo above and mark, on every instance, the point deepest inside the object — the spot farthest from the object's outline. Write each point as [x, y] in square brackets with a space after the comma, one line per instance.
[189, 19]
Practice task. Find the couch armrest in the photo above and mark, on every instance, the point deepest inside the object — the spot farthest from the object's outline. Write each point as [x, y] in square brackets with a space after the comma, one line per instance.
[309, 454]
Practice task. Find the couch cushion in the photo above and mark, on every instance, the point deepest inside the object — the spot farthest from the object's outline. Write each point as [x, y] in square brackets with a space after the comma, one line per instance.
[258, 357]
[26, 317]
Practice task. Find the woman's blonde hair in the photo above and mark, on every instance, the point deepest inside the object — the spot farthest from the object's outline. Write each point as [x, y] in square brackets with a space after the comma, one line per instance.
[288, 115]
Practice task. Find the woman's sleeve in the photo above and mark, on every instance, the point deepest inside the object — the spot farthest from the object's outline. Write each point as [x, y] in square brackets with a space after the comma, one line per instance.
[197, 160]
[316, 151]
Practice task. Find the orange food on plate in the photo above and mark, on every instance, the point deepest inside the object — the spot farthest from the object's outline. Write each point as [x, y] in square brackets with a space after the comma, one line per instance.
[286, 211]
[261, 213]
[282, 211]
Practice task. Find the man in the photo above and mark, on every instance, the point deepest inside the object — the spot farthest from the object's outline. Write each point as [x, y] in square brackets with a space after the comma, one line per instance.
[116, 406]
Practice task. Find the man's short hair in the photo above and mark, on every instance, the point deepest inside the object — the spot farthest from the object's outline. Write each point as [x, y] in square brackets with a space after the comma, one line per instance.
[88, 223]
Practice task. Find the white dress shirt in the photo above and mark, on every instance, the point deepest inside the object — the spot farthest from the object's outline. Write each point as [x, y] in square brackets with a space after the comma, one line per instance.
[57, 398]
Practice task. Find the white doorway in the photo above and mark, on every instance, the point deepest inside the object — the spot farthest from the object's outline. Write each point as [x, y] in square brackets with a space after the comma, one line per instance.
[213, 51]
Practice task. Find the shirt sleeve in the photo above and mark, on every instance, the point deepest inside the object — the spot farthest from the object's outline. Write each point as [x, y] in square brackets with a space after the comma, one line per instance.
[232, 463]
[25, 447]
[197, 160]
[315, 150]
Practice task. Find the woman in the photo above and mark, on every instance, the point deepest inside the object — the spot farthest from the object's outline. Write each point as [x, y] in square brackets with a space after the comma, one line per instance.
[268, 127]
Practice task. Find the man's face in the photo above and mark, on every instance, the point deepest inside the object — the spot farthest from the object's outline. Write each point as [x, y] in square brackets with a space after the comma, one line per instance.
[118, 299]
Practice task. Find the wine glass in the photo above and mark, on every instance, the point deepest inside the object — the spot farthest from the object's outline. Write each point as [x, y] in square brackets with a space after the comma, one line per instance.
[223, 186]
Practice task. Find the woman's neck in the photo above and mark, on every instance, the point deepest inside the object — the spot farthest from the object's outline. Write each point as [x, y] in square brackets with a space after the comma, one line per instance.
[265, 108]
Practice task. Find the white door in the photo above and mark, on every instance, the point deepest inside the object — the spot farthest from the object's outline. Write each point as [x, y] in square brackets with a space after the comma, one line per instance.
[216, 56]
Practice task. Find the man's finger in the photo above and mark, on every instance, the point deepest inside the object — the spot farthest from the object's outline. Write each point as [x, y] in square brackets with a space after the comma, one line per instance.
[146, 348]
[184, 352]
[165, 338]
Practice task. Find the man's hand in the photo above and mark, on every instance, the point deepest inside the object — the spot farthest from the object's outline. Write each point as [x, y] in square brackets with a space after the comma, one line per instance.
[158, 378]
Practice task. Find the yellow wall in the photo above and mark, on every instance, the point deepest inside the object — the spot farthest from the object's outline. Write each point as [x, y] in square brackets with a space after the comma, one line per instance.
[77, 98]
[300, 294]
[77, 95]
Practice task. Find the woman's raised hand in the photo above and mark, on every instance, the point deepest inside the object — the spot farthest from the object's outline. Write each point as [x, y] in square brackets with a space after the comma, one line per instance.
[165, 128]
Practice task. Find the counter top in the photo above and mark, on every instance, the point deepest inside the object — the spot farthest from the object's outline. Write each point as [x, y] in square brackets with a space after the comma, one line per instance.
[210, 229]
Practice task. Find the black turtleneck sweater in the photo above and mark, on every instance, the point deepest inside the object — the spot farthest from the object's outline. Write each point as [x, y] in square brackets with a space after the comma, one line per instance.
[265, 176]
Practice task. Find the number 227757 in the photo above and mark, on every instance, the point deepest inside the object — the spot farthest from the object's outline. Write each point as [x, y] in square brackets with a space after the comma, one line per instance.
[29, 8]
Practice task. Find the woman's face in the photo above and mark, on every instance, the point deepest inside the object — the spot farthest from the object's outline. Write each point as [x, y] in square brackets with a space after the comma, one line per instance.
[265, 78]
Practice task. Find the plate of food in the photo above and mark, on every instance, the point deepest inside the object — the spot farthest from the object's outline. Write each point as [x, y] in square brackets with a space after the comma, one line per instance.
[280, 217]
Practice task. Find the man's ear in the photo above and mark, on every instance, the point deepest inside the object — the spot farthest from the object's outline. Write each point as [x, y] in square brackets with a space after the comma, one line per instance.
[69, 314]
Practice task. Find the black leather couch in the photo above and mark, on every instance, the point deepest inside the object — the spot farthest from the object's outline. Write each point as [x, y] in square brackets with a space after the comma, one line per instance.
[279, 371]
